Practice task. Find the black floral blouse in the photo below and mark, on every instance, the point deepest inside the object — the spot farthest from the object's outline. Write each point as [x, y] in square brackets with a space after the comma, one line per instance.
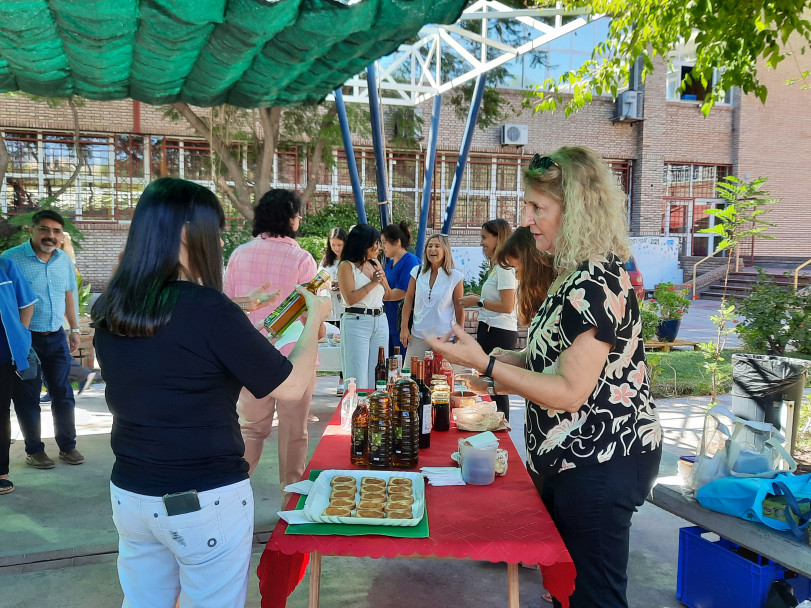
[619, 418]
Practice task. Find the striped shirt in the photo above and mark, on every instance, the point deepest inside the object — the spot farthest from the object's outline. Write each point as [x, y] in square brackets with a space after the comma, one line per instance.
[280, 260]
[50, 281]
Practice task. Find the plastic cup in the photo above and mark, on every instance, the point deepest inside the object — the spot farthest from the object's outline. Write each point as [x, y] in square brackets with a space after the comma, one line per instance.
[478, 464]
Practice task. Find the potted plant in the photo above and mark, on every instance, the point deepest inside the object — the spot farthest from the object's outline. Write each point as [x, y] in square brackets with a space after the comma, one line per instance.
[671, 304]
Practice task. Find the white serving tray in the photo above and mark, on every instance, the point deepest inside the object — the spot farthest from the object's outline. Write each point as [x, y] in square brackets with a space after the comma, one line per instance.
[318, 498]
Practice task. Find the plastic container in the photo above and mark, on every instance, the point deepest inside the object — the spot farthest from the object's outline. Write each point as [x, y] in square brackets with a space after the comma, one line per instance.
[714, 575]
[348, 404]
[478, 464]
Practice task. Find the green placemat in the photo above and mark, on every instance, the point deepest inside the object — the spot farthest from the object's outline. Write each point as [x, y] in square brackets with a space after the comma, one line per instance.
[418, 531]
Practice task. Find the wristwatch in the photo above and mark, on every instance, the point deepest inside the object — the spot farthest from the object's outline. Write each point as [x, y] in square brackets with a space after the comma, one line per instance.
[480, 304]
[491, 388]
[75, 331]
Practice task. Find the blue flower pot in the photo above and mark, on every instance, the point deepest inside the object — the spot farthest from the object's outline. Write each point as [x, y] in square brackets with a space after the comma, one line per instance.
[667, 331]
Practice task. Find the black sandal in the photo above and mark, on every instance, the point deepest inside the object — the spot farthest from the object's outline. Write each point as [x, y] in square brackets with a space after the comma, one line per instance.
[6, 487]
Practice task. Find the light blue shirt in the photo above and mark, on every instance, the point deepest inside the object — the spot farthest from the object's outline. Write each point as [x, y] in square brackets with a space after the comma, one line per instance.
[50, 281]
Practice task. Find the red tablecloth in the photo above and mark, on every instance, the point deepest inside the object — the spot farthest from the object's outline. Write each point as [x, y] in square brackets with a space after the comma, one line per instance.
[502, 522]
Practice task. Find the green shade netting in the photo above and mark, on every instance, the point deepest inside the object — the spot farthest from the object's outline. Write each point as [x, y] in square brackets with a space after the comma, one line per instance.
[248, 53]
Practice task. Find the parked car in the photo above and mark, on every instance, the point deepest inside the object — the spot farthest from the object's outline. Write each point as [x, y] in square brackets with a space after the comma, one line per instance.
[636, 278]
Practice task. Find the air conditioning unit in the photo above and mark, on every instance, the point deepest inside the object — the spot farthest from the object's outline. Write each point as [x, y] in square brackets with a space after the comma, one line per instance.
[514, 135]
[629, 105]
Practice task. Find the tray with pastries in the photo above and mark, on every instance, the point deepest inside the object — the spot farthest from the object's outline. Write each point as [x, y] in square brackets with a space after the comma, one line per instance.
[380, 498]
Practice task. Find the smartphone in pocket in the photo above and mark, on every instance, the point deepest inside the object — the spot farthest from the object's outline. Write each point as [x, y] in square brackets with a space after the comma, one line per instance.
[181, 502]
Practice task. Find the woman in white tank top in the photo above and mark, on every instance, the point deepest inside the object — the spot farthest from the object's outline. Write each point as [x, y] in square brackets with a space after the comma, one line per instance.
[363, 285]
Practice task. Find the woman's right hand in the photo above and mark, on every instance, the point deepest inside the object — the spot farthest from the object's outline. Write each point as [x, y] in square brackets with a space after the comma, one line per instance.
[319, 307]
[518, 358]
[405, 336]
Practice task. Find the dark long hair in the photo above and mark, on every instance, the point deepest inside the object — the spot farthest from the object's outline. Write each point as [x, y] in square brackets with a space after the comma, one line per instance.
[141, 294]
[329, 255]
[537, 272]
[398, 232]
[360, 238]
[274, 211]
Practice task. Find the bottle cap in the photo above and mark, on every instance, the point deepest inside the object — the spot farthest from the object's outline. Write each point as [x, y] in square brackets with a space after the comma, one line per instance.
[381, 383]
[406, 370]
[362, 393]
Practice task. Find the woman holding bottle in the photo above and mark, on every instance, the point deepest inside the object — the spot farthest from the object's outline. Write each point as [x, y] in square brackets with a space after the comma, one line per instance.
[363, 287]
[394, 240]
[434, 293]
[498, 325]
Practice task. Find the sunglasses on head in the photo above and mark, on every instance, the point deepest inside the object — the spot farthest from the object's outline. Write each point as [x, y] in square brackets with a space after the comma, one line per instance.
[542, 162]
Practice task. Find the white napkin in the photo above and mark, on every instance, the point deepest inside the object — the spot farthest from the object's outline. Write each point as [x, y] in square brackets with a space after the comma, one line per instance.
[295, 517]
[300, 487]
[443, 476]
[481, 440]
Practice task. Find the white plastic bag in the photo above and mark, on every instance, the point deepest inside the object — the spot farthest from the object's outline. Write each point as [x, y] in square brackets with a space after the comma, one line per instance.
[480, 417]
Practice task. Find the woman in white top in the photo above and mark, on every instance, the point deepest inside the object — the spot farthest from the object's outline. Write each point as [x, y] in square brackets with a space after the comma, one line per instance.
[336, 240]
[363, 286]
[433, 295]
[498, 324]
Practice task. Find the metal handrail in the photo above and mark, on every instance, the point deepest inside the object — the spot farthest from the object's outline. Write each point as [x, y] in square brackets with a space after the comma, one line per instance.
[797, 272]
[696, 266]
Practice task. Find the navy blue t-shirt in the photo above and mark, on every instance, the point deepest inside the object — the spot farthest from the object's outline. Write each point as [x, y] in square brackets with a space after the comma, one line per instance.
[173, 395]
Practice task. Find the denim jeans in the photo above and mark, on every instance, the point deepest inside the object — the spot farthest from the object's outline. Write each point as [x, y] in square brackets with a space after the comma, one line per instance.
[592, 508]
[361, 337]
[8, 378]
[54, 356]
[203, 556]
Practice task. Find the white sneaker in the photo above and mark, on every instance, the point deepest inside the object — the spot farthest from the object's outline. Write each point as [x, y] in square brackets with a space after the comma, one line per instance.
[87, 382]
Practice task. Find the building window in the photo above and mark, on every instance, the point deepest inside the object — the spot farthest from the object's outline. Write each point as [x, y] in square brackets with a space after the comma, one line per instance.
[680, 64]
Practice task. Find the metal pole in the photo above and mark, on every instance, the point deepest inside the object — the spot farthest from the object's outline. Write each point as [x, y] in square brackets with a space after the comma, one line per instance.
[377, 143]
[467, 139]
[350, 157]
[428, 181]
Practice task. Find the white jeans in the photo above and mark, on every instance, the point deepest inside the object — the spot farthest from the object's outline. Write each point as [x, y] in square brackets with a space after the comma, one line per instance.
[203, 557]
[361, 337]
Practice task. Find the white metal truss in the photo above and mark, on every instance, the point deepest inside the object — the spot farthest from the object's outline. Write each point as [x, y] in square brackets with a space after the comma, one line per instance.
[414, 72]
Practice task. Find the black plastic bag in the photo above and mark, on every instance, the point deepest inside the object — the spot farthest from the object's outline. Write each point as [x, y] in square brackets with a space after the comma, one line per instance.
[781, 595]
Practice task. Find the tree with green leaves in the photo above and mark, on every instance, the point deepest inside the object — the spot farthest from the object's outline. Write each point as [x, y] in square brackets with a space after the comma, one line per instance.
[731, 39]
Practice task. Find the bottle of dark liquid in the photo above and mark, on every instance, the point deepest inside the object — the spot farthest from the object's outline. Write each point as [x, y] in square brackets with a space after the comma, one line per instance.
[441, 400]
[414, 361]
[399, 359]
[406, 423]
[380, 428]
[381, 369]
[426, 408]
[359, 453]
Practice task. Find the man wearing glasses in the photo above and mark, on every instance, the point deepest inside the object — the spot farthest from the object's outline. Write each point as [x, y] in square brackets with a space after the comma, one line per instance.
[50, 272]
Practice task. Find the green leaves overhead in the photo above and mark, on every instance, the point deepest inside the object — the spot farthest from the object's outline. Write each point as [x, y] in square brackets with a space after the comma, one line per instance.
[731, 36]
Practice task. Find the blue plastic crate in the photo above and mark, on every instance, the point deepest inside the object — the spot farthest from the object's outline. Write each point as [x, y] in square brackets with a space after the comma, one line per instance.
[713, 575]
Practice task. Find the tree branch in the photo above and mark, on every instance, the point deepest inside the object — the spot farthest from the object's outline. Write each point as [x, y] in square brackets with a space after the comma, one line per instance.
[242, 199]
[79, 157]
[315, 168]
[269, 118]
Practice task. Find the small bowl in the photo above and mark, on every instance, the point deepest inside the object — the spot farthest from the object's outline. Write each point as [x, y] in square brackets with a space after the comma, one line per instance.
[463, 398]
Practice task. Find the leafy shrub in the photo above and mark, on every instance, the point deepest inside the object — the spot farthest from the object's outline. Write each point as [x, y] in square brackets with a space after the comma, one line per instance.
[775, 316]
[314, 244]
[670, 303]
[475, 285]
[235, 234]
[650, 319]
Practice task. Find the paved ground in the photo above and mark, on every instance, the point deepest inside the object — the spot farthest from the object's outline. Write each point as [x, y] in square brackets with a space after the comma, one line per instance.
[58, 542]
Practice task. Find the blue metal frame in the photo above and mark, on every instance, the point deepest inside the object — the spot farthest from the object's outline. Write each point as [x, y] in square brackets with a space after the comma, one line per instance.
[350, 157]
[377, 143]
[467, 140]
[428, 181]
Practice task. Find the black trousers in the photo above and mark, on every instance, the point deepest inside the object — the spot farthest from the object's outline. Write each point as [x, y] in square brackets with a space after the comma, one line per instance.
[592, 508]
[493, 337]
[8, 377]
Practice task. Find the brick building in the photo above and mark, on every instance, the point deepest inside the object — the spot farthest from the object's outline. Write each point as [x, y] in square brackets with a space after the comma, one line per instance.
[668, 163]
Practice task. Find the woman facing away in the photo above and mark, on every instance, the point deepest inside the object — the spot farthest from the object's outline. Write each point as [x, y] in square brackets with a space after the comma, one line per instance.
[498, 324]
[592, 431]
[363, 287]
[434, 291]
[182, 502]
[394, 240]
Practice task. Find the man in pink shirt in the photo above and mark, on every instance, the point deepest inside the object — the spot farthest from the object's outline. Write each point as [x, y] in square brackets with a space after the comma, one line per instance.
[273, 256]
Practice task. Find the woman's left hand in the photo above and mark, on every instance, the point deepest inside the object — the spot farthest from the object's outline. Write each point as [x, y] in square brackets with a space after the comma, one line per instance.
[465, 351]
[468, 300]
[474, 383]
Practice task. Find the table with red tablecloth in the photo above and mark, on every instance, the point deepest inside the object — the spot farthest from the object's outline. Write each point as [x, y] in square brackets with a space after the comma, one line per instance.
[505, 521]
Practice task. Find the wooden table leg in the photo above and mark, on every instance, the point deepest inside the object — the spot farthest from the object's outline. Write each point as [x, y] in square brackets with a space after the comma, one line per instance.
[512, 586]
[315, 579]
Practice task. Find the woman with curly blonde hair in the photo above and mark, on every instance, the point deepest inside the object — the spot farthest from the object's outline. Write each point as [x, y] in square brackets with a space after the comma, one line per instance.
[592, 432]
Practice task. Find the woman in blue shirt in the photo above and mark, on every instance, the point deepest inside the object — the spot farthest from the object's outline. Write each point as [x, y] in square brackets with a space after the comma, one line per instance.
[16, 308]
[394, 239]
